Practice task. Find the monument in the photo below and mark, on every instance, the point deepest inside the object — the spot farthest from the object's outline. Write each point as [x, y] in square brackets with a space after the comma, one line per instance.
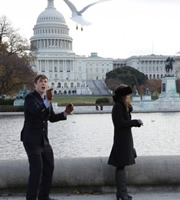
[19, 101]
[136, 97]
[147, 95]
[168, 100]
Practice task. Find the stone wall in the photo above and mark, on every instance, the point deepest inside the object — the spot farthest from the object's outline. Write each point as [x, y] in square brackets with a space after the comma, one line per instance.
[94, 172]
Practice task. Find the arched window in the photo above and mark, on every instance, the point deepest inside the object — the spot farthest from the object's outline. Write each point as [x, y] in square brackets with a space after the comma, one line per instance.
[59, 85]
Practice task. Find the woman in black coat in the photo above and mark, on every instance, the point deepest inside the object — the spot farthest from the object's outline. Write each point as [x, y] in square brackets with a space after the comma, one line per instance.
[123, 152]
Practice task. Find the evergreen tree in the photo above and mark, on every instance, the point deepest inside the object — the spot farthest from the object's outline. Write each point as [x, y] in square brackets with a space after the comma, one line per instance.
[126, 75]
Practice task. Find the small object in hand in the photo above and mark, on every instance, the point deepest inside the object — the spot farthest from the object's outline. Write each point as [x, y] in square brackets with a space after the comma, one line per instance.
[69, 108]
[140, 122]
[49, 94]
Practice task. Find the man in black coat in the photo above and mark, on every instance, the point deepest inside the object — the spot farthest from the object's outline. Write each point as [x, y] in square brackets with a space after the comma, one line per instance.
[34, 135]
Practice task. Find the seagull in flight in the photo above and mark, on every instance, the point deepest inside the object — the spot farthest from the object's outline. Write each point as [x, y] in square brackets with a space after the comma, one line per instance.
[77, 15]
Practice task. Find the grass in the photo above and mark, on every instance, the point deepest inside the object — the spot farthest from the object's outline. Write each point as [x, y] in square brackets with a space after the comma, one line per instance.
[81, 100]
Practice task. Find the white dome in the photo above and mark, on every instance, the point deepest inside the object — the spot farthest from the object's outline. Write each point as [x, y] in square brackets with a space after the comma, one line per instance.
[51, 34]
[50, 14]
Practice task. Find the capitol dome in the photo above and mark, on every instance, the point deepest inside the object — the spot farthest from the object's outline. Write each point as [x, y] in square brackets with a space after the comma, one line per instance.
[50, 15]
[51, 34]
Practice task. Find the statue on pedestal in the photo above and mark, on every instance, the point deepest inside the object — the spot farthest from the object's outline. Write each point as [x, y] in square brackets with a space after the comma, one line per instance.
[169, 65]
[147, 92]
[19, 101]
[136, 94]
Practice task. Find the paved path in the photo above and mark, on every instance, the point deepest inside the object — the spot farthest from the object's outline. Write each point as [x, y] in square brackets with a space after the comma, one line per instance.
[109, 196]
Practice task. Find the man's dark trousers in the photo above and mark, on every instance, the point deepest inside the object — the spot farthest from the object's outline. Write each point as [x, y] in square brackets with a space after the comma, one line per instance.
[41, 163]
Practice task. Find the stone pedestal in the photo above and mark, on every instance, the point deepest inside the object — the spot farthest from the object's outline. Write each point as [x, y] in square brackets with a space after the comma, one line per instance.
[168, 89]
[146, 98]
[136, 99]
[18, 102]
[169, 98]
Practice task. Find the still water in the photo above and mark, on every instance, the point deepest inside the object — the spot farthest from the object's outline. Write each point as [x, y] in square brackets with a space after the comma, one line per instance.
[91, 135]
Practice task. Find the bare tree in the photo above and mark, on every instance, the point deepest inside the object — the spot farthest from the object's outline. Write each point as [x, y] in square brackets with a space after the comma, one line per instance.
[5, 28]
[15, 60]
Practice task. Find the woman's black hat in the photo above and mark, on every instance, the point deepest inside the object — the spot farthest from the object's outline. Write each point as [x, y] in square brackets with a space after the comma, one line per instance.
[122, 91]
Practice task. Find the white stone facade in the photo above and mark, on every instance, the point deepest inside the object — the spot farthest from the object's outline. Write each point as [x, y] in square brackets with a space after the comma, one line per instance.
[55, 58]
[68, 72]
[153, 66]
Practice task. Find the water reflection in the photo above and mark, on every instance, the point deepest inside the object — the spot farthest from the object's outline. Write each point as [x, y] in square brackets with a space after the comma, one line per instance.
[91, 135]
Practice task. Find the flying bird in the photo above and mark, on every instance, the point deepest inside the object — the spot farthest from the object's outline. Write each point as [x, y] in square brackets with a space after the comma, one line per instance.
[77, 15]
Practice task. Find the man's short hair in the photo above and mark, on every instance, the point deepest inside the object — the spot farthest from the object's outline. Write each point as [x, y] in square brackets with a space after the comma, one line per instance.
[40, 76]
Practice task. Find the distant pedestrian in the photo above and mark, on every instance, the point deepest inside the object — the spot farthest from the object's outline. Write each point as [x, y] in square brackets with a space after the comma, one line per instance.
[123, 152]
[97, 107]
[38, 111]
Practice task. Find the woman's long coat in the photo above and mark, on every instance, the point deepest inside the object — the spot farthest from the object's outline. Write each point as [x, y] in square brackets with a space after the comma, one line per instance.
[123, 152]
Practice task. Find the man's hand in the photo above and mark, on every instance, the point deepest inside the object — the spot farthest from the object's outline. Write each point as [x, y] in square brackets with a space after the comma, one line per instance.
[69, 109]
[49, 94]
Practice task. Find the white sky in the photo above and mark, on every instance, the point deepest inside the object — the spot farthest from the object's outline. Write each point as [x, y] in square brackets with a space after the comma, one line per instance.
[120, 28]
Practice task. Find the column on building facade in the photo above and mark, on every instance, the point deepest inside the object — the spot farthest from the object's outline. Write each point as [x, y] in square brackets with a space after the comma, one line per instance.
[60, 43]
[44, 43]
[50, 44]
[46, 66]
[40, 66]
[39, 45]
[63, 44]
[40, 42]
[72, 66]
[64, 66]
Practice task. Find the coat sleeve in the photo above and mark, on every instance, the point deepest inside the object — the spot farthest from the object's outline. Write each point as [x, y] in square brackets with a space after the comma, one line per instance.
[56, 117]
[120, 117]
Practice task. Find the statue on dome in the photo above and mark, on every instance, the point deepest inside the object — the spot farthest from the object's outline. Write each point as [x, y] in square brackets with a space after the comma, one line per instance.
[50, 2]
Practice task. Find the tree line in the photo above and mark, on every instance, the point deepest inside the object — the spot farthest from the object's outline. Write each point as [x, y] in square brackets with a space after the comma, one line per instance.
[16, 61]
[132, 77]
[136, 80]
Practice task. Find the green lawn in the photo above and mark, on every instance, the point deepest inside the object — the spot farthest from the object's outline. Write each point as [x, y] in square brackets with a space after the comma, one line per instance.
[77, 99]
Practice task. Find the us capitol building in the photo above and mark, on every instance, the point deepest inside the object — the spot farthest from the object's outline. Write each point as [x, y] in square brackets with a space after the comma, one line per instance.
[74, 74]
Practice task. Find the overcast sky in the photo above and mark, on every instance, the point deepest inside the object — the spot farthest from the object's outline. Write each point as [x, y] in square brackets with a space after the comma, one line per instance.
[119, 29]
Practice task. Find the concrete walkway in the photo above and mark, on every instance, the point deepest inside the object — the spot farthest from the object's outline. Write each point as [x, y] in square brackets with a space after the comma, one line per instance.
[108, 196]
